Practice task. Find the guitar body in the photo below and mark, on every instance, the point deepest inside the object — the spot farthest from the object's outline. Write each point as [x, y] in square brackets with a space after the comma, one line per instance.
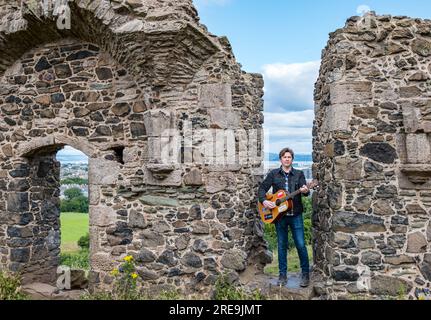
[283, 205]
[283, 202]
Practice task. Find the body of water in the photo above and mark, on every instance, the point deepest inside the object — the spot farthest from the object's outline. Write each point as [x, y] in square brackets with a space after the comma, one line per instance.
[74, 159]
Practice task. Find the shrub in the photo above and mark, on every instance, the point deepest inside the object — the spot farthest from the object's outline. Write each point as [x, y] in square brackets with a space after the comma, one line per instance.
[75, 201]
[78, 260]
[270, 235]
[125, 285]
[72, 193]
[69, 181]
[10, 286]
[78, 204]
[84, 242]
[308, 207]
[126, 281]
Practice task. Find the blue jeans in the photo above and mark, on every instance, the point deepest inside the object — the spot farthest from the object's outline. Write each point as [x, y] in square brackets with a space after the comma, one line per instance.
[296, 225]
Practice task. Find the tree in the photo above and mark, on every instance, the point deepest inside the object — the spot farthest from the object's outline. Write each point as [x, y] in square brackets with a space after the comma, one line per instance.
[75, 201]
[73, 193]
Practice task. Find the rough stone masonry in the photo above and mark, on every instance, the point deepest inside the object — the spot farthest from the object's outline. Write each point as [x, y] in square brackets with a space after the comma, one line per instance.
[124, 73]
[372, 157]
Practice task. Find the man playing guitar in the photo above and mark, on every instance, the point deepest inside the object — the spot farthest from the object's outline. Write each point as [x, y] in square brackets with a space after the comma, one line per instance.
[289, 179]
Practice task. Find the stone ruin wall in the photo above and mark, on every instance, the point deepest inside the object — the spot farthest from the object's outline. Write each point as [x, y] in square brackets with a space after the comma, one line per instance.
[372, 157]
[109, 87]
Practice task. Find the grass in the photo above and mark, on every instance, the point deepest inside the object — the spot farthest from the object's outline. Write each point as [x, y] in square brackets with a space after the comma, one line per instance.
[73, 227]
[76, 260]
[293, 263]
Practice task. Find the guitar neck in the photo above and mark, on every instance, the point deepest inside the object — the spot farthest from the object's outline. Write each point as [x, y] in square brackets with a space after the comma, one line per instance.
[291, 195]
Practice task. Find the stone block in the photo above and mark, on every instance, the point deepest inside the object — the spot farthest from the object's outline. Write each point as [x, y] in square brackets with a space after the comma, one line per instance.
[415, 208]
[421, 47]
[201, 227]
[345, 273]
[337, 117]
[215, 96]
[137, 220]
[389, 286]
[234, 259]
[158, 123]
[380, 152]
[411, 117]
[410, 92]
[351, 222]
[103, 172]
[151, 239]
[370, 258]
[102, 262]
[348, 169]
[418, 148]
[224, 118]
[172, 179]
[159, 201]
[383, 207]
[93, 194]
[358, 92]
[18, 202]
[132, 154]
[399, 260]
[416, 178]
[191, 260]
[25, 148]
[216, 182]
[416, 243]
[425, 267]
[102, 216]
[193, 178]
[429, 232]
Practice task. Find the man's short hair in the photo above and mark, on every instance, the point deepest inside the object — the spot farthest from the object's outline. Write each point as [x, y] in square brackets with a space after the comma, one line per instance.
[285, 150]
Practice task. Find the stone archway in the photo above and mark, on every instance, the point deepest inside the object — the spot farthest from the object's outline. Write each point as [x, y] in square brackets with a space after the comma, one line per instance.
[110, 87]
[371, 153]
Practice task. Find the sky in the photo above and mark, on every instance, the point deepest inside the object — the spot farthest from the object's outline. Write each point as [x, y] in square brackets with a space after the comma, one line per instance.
[283, 40]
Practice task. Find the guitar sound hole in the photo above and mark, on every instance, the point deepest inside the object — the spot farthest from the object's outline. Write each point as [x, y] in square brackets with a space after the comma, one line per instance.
[278, 202]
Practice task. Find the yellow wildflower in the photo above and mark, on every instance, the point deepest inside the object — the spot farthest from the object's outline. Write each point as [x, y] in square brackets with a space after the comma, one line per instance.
[115, 272]
[134, 275]
[128, 258]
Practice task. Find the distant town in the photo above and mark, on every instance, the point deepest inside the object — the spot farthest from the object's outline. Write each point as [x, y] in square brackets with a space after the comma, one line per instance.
[74, 175]
[74, 170]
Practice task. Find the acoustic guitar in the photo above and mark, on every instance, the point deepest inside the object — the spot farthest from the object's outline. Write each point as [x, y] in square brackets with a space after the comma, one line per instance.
[283, 202]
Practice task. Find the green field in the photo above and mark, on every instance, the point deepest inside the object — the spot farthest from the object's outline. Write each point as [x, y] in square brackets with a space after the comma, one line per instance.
[73, 227]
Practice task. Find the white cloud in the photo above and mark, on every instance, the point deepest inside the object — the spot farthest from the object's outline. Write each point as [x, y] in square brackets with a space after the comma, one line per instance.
[363, 9]
[298, 119]
[289, 105]
[290, 87]
[289, 129]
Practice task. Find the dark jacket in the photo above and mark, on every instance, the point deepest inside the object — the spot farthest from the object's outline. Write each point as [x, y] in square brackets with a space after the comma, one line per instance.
[276, 180]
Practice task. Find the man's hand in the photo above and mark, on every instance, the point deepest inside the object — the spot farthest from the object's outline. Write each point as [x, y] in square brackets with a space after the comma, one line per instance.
[269, 204]
[304, 189]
